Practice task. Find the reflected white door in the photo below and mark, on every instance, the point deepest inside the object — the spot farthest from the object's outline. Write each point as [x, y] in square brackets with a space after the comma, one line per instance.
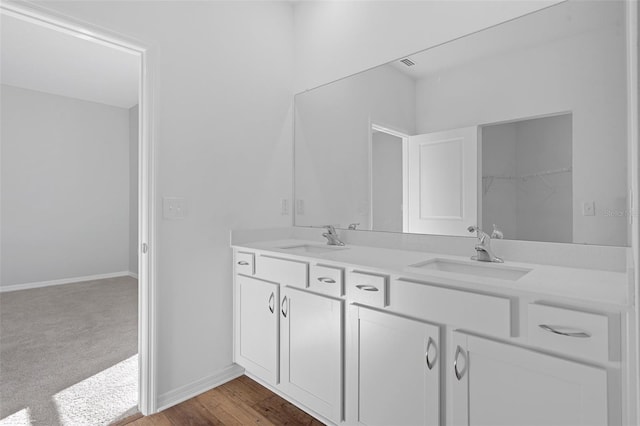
[442, 180]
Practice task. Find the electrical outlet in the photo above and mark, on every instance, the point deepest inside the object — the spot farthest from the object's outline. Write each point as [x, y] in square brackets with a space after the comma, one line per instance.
[299, 206]
[174, 208]
[589, 208]
[284, 206]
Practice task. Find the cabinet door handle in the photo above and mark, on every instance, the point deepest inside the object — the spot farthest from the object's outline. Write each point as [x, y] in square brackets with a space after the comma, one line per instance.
[272, 299]
[284, 307]
[431, 363]
[367, 287]
[243, 263]
[576, 333]
[326, 280]
[459, 373]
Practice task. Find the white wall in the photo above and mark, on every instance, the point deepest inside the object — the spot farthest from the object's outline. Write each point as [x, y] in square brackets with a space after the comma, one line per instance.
[133, 189]
[386, 178]
[65, 187]
[543, 80]
[223, 139]
[334, 39]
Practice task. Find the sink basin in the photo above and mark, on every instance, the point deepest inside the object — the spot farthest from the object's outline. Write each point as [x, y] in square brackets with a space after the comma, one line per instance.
[312, 248]
[477, 269]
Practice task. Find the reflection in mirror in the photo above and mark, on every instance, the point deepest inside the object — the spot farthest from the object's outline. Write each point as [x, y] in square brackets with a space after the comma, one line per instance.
[512, 126]
[527, 179]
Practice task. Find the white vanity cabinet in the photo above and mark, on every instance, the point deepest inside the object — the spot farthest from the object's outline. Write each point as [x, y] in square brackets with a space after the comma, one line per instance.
[287, 337]
[500, 384]
[393, 370]
[358, 345]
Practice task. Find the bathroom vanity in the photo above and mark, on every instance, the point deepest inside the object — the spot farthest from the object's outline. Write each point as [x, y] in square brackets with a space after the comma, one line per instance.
[378, 336]
[511, 126]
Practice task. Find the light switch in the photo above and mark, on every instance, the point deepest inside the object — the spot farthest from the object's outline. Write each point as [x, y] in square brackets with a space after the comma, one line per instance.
[284, 206]
[299, 206]
[174, 207]
[589, 208]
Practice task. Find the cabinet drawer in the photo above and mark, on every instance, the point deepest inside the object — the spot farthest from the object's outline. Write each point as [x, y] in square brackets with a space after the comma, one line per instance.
[326, 279]
[574, 332]
[367, 288]
[283, 271]
[245, 263]
[485, 313]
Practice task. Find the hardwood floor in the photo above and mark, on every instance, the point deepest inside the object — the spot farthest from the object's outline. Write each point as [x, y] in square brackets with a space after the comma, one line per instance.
[239, 402]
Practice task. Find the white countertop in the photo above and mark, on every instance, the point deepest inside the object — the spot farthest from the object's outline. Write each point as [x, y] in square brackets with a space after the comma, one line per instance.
[588, 285]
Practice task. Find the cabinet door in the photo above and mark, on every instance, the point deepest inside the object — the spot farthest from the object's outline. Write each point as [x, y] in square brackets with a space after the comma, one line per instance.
[499, 384]
[394, 370]
[257, 327]
[311, 351]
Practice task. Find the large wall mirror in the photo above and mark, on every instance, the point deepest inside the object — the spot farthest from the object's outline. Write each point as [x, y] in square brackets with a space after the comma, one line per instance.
[522, 125]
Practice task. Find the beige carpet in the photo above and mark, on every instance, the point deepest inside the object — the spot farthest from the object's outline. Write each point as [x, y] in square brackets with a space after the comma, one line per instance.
[68, 353]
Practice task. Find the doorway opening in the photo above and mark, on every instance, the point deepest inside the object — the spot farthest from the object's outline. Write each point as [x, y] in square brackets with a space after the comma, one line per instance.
[83, 397]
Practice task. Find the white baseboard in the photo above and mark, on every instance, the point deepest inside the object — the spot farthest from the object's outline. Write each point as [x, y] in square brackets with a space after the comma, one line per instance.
[132, 275]
[199, 386]
[39, 284]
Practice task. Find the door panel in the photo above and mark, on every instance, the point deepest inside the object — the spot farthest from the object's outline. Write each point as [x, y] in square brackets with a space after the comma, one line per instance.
[258, 327]
[443, 182]
[395, 385]
[511, 386]
[311, 360]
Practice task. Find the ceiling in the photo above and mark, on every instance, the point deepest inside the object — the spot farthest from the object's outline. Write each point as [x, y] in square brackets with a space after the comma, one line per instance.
[39, 58]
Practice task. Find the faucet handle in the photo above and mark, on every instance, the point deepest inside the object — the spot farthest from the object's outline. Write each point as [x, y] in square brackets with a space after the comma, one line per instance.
[497, 233]
[353, 226]
[331, 229]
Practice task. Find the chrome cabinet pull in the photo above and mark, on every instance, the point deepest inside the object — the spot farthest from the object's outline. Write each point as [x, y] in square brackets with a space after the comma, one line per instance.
[367, 287]
[284, 307]
[459, 373]
[431, 363]
[271, 304]
[326, 280]
[550, 329]
[243, 263]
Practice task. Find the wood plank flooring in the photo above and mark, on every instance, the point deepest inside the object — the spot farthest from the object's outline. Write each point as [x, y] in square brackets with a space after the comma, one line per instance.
[239, 402]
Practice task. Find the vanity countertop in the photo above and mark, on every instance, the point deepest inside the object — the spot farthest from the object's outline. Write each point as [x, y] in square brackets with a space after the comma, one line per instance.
[587, 285]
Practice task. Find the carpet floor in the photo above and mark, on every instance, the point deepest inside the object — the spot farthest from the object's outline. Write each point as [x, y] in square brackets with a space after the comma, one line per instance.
[68, 353]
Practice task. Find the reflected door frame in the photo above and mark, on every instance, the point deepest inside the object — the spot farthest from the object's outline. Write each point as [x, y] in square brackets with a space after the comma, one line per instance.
[373, 127]
[147, 346]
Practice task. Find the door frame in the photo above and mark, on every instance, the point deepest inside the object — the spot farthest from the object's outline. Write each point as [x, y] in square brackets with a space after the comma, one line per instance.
[147, 345]
[373, 127]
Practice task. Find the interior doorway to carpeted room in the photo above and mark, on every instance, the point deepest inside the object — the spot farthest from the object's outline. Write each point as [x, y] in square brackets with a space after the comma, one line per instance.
[69, 292]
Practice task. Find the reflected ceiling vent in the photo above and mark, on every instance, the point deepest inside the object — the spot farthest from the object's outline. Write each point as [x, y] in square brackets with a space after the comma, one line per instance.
[408, 62]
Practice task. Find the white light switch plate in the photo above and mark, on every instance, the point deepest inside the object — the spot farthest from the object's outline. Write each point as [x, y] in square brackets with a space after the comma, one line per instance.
[174, 207]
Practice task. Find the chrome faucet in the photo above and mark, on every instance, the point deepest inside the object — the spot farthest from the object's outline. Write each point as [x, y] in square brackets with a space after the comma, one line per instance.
[483, 247]
[332, 236]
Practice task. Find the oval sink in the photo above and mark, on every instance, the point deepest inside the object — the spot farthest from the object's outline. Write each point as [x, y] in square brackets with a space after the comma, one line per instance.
[477, 269]
[312, 248]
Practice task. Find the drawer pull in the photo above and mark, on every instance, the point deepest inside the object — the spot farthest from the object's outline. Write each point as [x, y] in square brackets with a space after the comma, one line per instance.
[326, 280]
[459, 373]
[431, 363]
[243, 263]
[367, 287]
[550, 329]
[271, 304]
